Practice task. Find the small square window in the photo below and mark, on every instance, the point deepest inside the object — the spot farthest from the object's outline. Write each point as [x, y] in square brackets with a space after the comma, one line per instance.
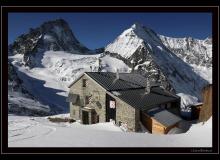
[84, 83]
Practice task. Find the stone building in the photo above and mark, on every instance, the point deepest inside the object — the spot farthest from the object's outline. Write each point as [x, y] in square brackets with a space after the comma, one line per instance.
[124, 98]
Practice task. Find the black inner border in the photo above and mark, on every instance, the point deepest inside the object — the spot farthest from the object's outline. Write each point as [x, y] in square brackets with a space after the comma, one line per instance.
[215, 34]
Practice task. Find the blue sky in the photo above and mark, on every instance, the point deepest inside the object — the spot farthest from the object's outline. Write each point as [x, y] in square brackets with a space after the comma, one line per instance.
[96, 30]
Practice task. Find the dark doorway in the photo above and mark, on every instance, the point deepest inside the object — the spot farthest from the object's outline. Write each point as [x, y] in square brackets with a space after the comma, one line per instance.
[110, 108]
[85, 117]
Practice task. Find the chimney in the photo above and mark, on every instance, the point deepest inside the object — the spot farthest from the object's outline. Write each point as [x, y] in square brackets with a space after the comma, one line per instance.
[132, 66]
[147, 89]
[117, 74]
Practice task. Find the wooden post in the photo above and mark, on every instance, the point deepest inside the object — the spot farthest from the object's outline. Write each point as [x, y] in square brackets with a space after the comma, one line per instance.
[206, 109]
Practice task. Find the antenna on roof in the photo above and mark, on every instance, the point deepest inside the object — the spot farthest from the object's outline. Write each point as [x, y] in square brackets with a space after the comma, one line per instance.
[117, 77]
[117, 74]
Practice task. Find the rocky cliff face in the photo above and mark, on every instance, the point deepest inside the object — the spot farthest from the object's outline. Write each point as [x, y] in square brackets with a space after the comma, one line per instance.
[192, 51]
[52, 35]
[14, 82]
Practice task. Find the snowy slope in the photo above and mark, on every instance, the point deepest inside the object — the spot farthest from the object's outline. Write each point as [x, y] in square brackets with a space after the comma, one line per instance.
[126, 44]
[111, 64]
[22, 104]
[20, 101]
[39, 132]
[45, 61]
[48, 81]
[143, 47]
[131, 39]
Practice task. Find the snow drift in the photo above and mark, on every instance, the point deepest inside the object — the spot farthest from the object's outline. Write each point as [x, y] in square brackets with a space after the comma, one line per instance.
[39, 132]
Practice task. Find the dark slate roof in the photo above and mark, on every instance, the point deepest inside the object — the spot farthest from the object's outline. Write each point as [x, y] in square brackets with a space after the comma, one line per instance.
[165, 117]
[160, 90]
[131, 89]
[109, 81]
[72, 98]
[139, 99]
[134, 78]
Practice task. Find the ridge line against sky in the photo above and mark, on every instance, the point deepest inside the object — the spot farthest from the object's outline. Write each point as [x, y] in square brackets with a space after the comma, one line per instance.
[96, 30]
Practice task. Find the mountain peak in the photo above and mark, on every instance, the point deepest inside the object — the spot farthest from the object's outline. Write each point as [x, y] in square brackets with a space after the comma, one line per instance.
[137, 25]
[132, 39]
[57, 22]
[53, 35]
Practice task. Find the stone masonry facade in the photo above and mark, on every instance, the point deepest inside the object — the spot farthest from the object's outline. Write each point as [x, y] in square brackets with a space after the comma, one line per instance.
[126, 115]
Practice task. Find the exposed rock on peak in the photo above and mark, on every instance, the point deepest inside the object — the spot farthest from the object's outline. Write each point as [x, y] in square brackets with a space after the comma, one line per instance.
[151, 56]
[193, 51]
[59, 34]
[52, 35]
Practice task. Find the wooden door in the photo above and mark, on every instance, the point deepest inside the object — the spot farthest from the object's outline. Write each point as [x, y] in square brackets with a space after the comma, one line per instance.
[85, 117]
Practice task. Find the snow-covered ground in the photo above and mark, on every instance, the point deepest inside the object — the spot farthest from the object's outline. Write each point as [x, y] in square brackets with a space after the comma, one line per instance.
[26, 131]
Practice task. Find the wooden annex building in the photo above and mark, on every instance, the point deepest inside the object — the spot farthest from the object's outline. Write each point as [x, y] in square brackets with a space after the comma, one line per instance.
[125, 98]
[201, 111]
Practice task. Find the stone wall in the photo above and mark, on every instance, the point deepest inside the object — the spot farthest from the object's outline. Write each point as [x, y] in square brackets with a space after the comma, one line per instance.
[97, 101]
[75, 112]
[125, 114]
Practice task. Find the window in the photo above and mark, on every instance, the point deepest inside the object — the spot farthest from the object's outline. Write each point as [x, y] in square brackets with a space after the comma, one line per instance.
[168, 105]
[88, 99]
[84, 83]
[163, 106]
